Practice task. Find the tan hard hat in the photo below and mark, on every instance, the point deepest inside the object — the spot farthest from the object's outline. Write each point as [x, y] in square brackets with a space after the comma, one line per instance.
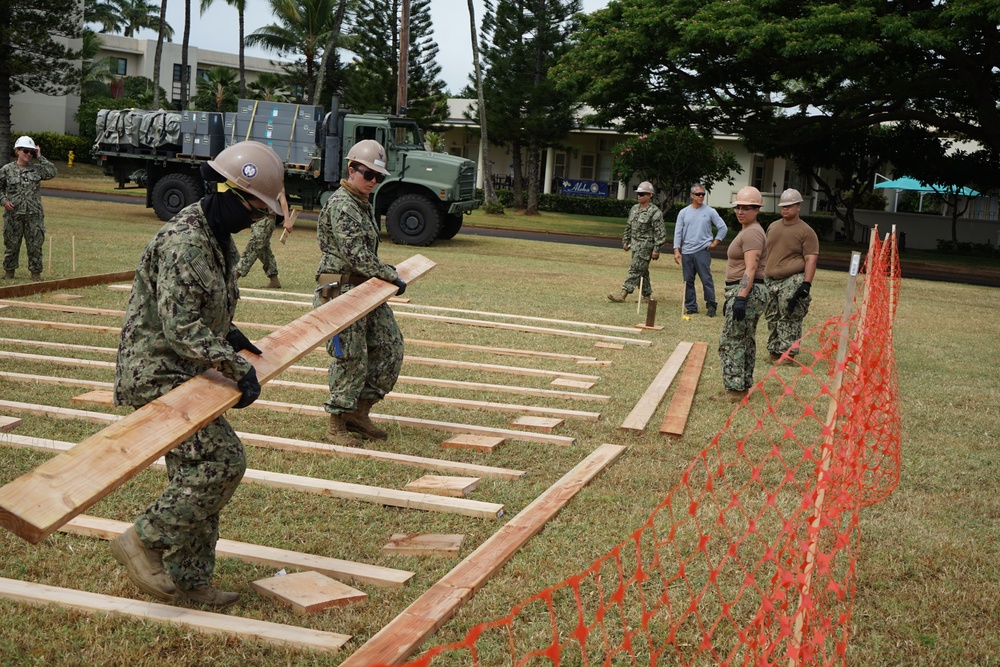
[369, 153]
[646, 186]
[25, 142]
[790, 196]
[255, 168]
[749, 196]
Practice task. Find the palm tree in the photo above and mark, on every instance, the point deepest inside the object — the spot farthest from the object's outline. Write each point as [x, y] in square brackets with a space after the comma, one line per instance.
[158, 58]
[303, 27]
[241, 8]
[185, 68]
[95, 74]
[218, 91]
[126, 16]
[269, 87]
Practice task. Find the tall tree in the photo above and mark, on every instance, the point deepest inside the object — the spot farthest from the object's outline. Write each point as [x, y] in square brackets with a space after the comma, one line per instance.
[491, 203]
[218, 90]
[525, 39]
[185, 67]
[95, 73]
[35, 55]
[329, 65]
[158, 58]
[241, 8]
[125, 16]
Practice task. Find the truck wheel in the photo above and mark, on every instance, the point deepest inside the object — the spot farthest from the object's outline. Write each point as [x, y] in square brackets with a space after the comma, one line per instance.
[452, 224]
[173, 192]
[413, 220]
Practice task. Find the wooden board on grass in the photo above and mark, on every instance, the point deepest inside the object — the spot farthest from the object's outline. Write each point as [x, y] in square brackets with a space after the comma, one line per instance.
[567, 382]
[430, 544]
[609, 346]
[482, 443]
[545, 424]
[680, 405]
[444, 485]
[8, 424]
[644, 409]
[308, 592]
[28, 289]
[35, 504]
[63, 297]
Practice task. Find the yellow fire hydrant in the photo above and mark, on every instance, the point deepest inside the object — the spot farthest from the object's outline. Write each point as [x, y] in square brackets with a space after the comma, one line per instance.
[69, 158]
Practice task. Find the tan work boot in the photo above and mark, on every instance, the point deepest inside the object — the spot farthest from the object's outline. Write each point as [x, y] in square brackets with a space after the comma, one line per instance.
[36, 276]
[8, 275]
[359, 421]
[275, 283]
[645, 299]
[618, 298]
[336, 433]
[205, 594]
[144, 565]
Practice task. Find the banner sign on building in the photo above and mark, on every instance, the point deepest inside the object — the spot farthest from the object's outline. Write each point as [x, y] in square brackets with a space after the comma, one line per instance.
[584, 188]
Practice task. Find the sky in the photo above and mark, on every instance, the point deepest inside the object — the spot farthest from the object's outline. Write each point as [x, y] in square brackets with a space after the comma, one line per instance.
[218, 30]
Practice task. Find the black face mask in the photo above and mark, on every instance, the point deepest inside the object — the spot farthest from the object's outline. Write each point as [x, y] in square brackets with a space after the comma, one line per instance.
[226, 215]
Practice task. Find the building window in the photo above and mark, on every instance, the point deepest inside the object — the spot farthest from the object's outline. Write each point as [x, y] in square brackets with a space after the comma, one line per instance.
[757, 172]
[559, 165]
[119, 66]
[588, 164]
[203, 75]
[604, 164]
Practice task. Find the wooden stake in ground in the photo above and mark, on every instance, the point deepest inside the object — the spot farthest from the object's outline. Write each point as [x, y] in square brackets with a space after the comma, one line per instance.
[680, 405]
[74, 252]
[37, 503]
[644, 409]
[430, 611]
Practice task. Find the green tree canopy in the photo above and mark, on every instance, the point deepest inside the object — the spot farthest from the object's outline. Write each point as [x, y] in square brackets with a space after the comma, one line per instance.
[219, 90]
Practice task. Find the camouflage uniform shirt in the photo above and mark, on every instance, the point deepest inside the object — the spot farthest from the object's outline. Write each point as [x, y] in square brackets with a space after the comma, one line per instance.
[348, 238]
[182, 304]
[23, 187]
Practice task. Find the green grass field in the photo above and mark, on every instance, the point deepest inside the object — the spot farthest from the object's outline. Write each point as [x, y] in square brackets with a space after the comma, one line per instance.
[928, 572]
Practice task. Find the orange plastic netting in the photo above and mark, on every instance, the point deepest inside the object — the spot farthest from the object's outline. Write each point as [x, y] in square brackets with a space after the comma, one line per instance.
[750, 559]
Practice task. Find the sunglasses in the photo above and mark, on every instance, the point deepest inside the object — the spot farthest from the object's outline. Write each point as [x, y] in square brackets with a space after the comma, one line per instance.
[371, 175]
[698, 194]
[643, 194]
[747, 208]
[29, 151]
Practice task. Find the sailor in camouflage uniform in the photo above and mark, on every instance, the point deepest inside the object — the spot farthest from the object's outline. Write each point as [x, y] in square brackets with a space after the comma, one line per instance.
[745, 298]
[644, 234]
[259, 247]
[20, 192]
[367, 355]
[178, 324]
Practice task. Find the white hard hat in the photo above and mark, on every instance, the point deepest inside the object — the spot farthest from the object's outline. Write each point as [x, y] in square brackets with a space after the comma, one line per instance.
[789, 197]
[255, 168]
[25, 142]
[749, 196]
[645, 186]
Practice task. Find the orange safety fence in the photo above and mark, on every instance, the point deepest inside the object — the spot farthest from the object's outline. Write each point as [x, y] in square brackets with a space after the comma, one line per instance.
[750, 559]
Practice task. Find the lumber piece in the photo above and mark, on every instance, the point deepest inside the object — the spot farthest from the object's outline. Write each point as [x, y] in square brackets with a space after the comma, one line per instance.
[526, 318]
[397, 640]
[595, 362]
[8, 424]
[308, 592]
[63, 297]
[609, 346]
[483, 386]
[496, 368]
[524, 327]
[290, 444]
[644, 409]
[38, 502]
[65, 361]
[200, 621]
[374, 575]
[68, 326]
[545, 424]
[680, 405]
[60, 346]
[499, 350]
[63, 382]
[444, 485]
[568, 382]
[323, 487]
[482, 443]
[63, 308]
[428, 544]
[29, 289]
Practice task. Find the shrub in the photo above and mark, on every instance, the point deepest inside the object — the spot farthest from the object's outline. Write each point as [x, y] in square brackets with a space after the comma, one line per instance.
[968, 249]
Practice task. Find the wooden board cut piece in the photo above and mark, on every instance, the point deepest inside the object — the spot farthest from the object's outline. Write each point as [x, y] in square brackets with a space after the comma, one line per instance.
[308, 592]
[63, 297]
[609, 346]
[546, 424]
[38, 502]
[8, 424]
[680, 405]
[444, 485]
[644, 409]
[646, 327]
[567, 382]
[482, 443]
[431, 544]
[595, 362]
[27, 289]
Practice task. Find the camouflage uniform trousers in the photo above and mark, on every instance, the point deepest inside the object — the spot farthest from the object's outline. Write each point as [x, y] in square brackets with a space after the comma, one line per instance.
[259, 247]
[370, 358]
[639, 268]
[204, 472]
[783, 327]
[738, 340]
[32, 229]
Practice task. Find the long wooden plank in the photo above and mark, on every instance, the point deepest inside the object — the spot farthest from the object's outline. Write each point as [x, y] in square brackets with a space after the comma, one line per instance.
[64, 361]
[526, 318]
[644, 409]
[323, 487]
[374, 575]
[680, 405]
[68, 326]
[290, 444]
[38, 502]
[30, 289]
[496, 350]
[200, 621]
[104, 398]
[495, 368]
[62, 382]
[63, 308]
[59, 346]
[397, 640]
[524, 327]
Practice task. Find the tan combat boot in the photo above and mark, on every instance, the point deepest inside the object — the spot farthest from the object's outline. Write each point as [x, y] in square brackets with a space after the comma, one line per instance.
[275, 283]
[359, 421]
[646, 299]
[336, 433]
[144, 565]
[205, 594]
[36, 276]
[8, 275]
[618, 298]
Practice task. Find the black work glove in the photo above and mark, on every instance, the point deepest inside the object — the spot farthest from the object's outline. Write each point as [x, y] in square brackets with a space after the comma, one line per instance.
[239, 341]
[401, 284]
[739, 308]
[250, 388]
[802, 291]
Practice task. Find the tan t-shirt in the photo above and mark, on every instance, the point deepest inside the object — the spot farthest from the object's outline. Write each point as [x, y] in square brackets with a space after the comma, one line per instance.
[750, 238]
[787, 247]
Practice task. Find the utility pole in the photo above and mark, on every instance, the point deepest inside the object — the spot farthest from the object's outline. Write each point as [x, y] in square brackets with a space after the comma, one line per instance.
[404, 57]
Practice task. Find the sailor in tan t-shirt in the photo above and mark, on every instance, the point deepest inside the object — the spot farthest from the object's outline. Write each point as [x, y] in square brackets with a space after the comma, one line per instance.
[792, 254]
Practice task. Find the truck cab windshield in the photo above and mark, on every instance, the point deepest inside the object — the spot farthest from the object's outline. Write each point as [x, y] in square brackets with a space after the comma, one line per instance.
[407, 135]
